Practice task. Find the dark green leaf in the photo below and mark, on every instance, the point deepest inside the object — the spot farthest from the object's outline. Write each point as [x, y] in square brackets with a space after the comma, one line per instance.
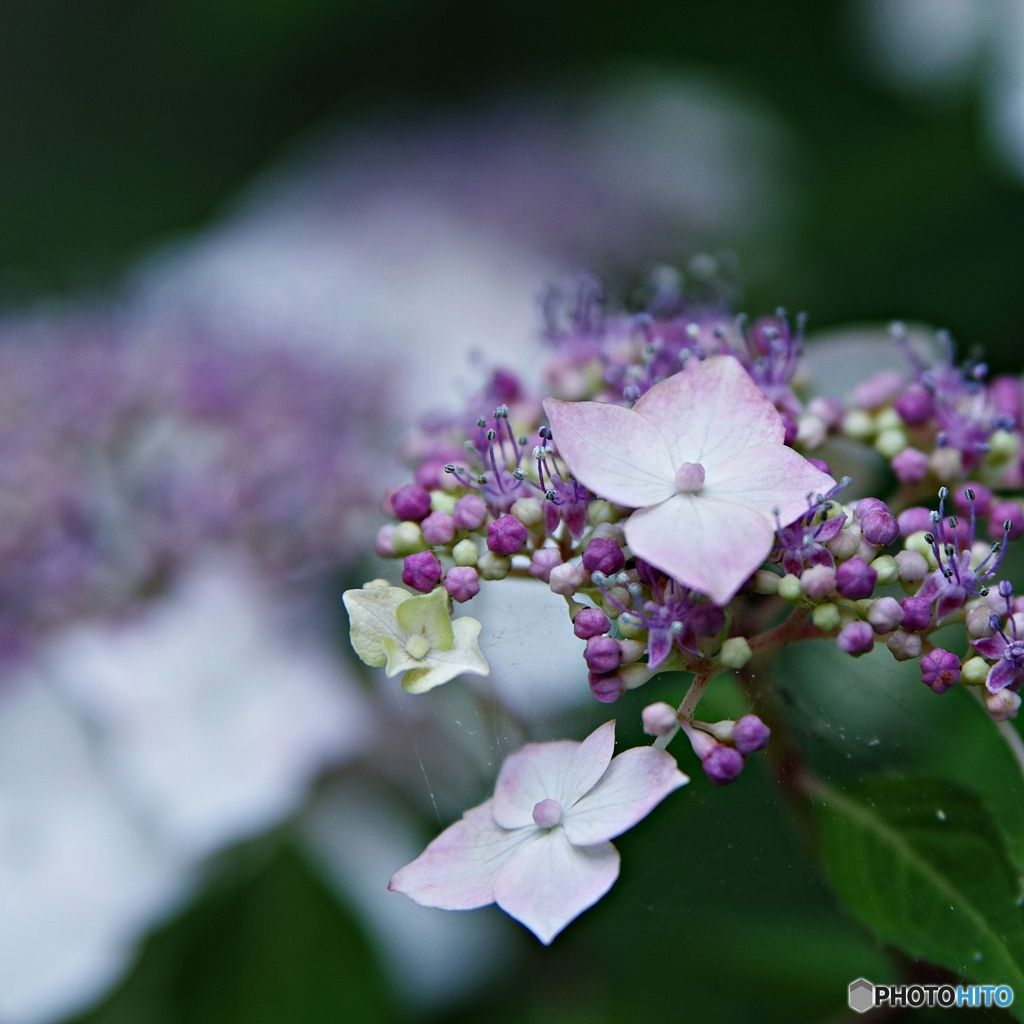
[922, 863]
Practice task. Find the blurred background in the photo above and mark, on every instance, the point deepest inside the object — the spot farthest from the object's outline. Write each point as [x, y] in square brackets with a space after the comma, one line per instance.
[242, 247]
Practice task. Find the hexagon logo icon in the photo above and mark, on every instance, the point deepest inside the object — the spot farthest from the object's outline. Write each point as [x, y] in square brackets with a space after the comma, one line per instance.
[862, 995]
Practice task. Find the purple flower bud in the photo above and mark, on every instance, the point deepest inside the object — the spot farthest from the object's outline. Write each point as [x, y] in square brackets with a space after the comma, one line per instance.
[590, 622]
[723, 765]
[411, 503]
[604, 556]
[438, 528]
[422, 571]
[913, 566]
[829, 410]
[877, 524]
[462, 582]
[602, 654]
[904, 646]
[940, 670]
[750, 734]
[878, 390]
[910, 466]
[543, 561]
[885, 614]
[505, 536]
[915, 519]
[382, 545]
[607, 687]
[820, 464]
[856, 638]
[818, 581]
[916, 405]
[982, 499]
[430, 475]
[856, 579]
[659, 719]
[917, 614]
[1001, 512]
[470, 512]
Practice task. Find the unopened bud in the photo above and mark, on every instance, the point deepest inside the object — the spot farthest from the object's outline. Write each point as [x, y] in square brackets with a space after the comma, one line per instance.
[659, 719]
[885, 614]
[528, 511]
[947, 464]
[750, 734]
[492, 566]
[890, 443]
[407, 539]
[735, 652]
[858, 424]
[602, 511]
[919, 543]
[904, 646]
[630, 626]
[614, 601]
[609, 531]
[383, 545]
[856, 638]
[846, 543]
[818, 581]
[567, 578]
[974, 671]
[979, 623]
[1002, 706]
[826, 617]
[912, 566]
[765, 582]
[887, 568]
[790, 589]
[465, 553]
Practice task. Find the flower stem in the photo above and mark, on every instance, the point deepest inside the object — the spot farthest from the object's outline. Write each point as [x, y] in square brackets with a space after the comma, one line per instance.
[694, 694]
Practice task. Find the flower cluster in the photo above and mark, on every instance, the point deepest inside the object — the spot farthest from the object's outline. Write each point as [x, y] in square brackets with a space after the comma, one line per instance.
[668, 491]
[123, 462]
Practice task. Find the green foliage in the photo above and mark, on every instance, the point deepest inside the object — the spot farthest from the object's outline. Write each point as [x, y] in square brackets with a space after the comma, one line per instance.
[923, 864]
[276, 949]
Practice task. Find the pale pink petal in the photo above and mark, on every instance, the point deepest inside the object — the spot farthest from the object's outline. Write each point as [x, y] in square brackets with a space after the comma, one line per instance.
[550, 882]
[457, 870]
[561, 770]
[710, 411]
[612, 451]
[712, 546]
[635, 783]
[764, 477]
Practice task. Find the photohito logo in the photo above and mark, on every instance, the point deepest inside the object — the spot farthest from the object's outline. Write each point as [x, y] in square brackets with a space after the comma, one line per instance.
[863, 995]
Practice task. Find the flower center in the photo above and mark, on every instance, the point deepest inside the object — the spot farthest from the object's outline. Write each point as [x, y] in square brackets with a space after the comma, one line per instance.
[417, 646]
[547, 813]
[690, 477]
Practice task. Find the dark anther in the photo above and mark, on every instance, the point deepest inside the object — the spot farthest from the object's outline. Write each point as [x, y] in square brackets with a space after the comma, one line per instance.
[449, 468]
[970, 494]
[481, 422]
[930, 538]
[1006, 525]
[523, 441]
[947, 573]
[518, 473]
[952, 522]
[491, 435]
[550, 495]
[481, 480]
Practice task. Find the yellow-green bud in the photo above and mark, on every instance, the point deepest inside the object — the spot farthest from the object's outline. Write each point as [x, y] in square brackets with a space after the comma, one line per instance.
[974, 671]
[947, 464]
[858, 425]
[528, 511]
[887, 569]
[442, 502]
[407, 539]
[890, 443]
[766, 582]
[790, 589]
[1003, 446]
[601, 512]
[888, 419]
[465, 553]
[492, 566]
[616, 594]
[735, 652]
[826, 617]
[916, 542]
[631, 627]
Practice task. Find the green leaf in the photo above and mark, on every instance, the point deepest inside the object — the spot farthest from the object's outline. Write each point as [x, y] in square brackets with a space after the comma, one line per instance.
[922, 863]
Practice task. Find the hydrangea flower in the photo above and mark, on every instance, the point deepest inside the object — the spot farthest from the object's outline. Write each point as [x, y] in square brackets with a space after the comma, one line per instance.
[540, 847]
[391, 628]
[702, 459]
